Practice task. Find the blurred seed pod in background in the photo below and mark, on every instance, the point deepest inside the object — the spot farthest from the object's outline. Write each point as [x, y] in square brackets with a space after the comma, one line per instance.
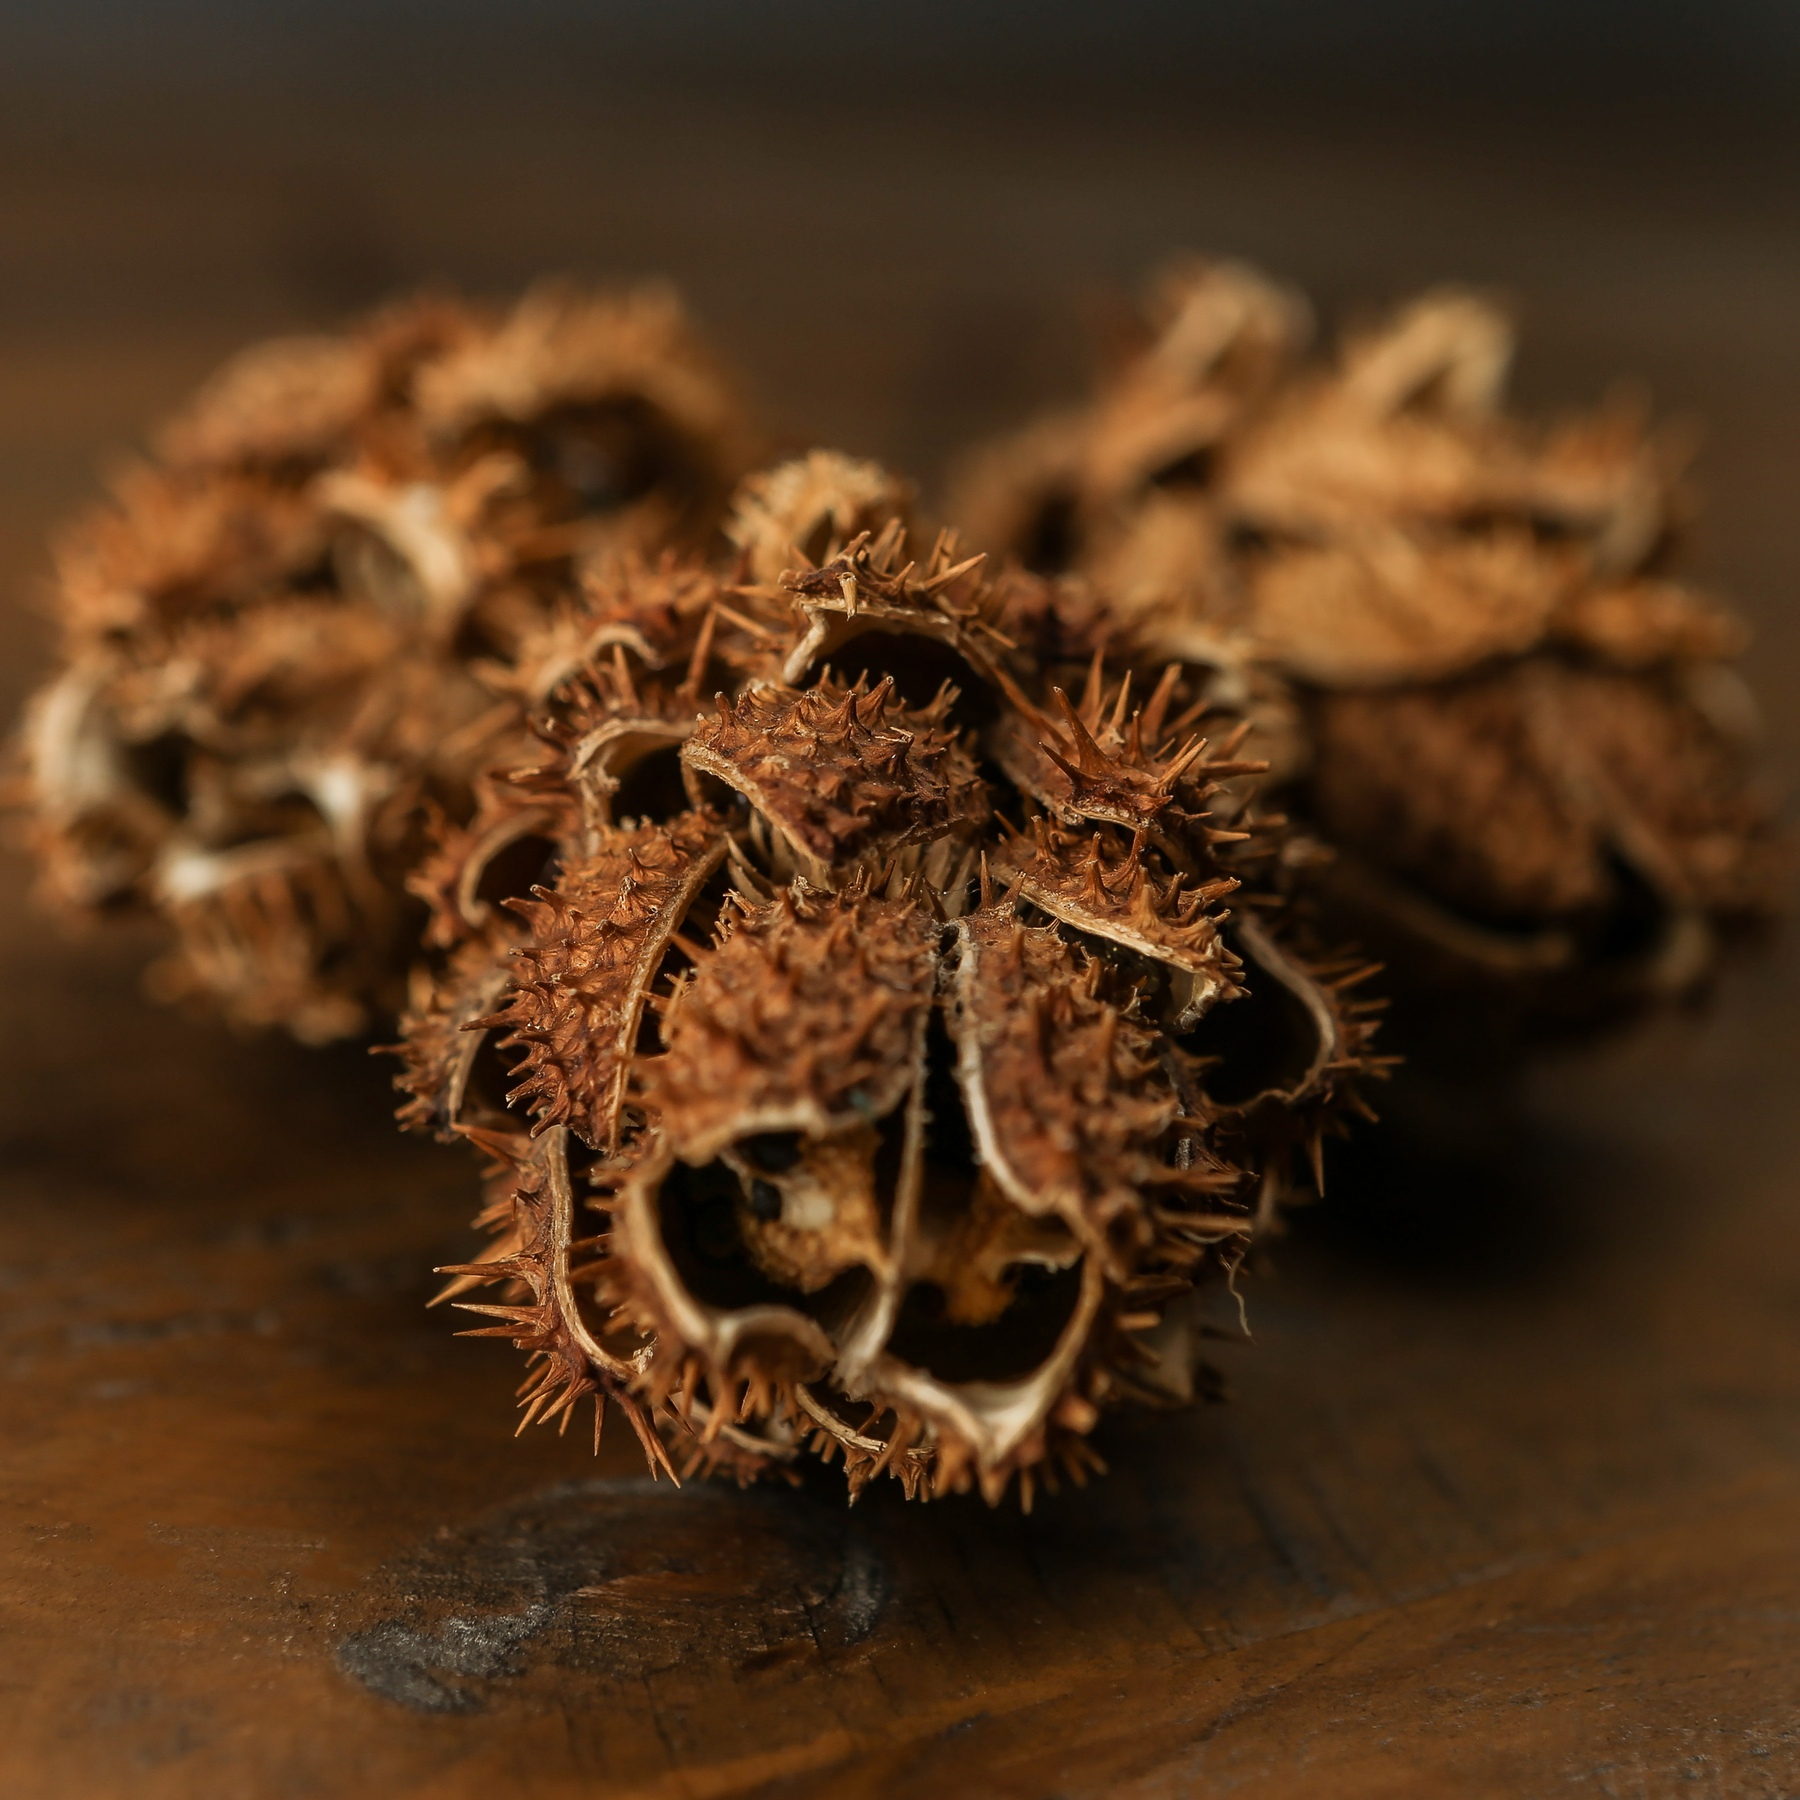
[287, 636]
[1522, 739]
[806, 510]
[864, 969]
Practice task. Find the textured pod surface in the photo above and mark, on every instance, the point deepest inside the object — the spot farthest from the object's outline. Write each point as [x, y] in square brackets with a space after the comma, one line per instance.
[1473, 678]
[290, 634]
[867, 1000]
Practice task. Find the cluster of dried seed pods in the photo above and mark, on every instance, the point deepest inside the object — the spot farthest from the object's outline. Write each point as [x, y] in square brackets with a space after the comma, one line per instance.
[879, 977]
[1521, 740]
[865, 989]
[287, 636]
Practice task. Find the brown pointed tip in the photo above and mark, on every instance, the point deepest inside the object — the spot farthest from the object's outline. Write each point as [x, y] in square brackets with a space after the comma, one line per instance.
[463, 1284]
[1183, 760]
[1063, 763]
[654, 1452]
[1093, 689]
[516, 1315]
[1121, 706]
[1093, 759]
[502, 1144]
[938, 582]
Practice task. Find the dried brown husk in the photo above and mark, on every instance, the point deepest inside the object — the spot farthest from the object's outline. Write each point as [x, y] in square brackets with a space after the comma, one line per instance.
[807, 510]
[865, 995]
[1473, 675]
[288, 636]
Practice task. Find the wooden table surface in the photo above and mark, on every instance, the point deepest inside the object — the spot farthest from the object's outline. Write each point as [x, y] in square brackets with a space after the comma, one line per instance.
[1507, 1497]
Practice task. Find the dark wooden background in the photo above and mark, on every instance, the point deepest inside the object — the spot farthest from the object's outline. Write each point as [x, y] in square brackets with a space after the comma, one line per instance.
[1507, 1500]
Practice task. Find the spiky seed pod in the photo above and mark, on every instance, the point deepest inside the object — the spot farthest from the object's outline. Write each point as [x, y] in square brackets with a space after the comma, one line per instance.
[245, 749]
[867, 989]
[289, 407]
[1525, 743]
[629, 434]
[1582, 838]
[807, 510]
[291, 634]
[1215, 341]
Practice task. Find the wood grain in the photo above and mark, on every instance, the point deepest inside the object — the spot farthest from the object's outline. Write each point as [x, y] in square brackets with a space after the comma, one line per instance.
[1507, 1497]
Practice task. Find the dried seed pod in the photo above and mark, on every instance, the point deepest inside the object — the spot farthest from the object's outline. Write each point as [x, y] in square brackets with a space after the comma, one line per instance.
[628, 435]
[282, 639]
[1216, 340]
[807, 510]
[880, 1021]
[1578, 838]
[1524, 744]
